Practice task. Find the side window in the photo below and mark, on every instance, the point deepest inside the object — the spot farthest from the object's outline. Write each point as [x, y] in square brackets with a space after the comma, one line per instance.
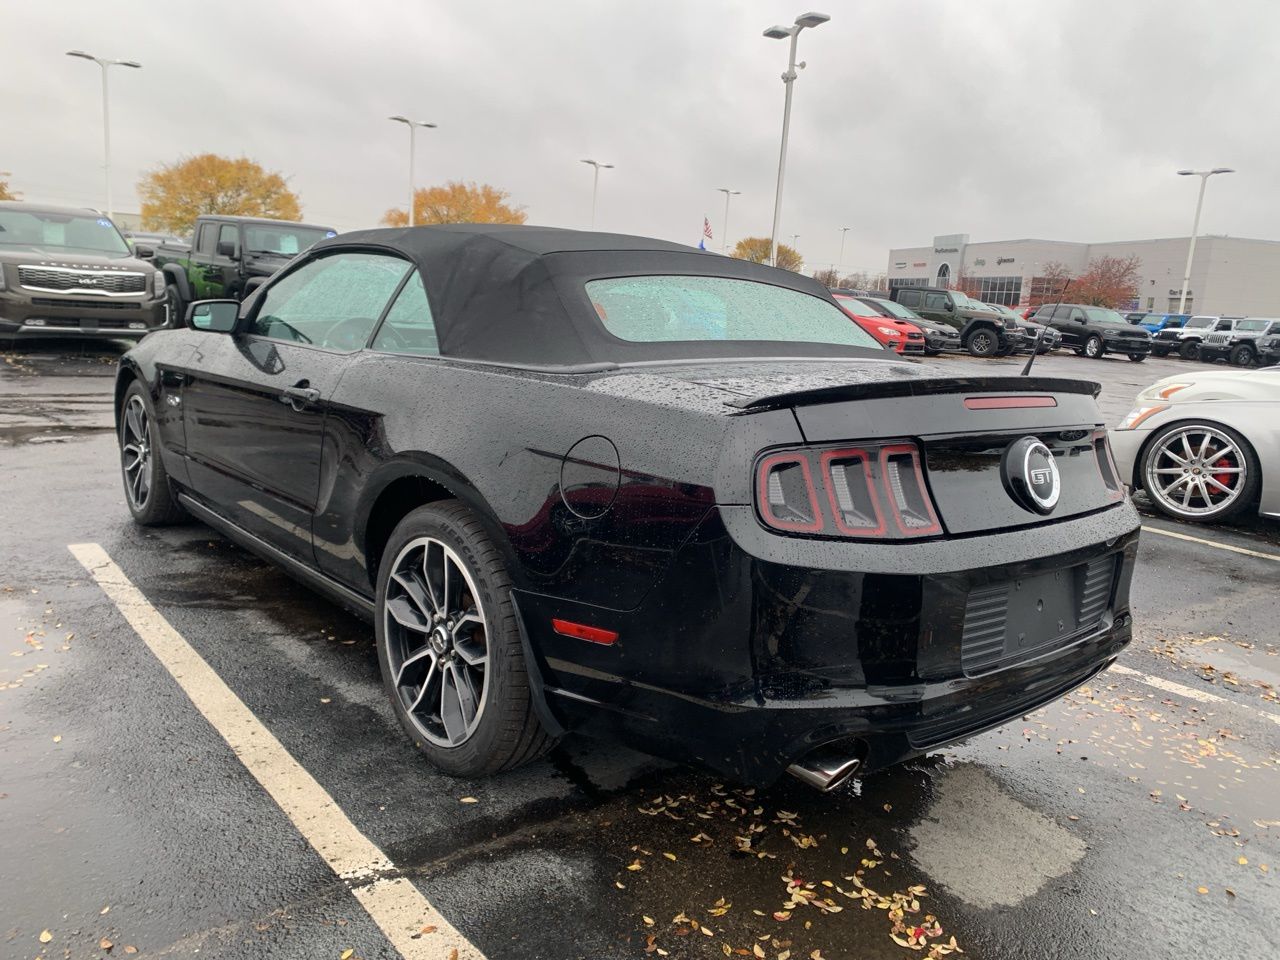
[909, 298]
[204, 240]
[1061, 313]
[1077, 315]
[333, 301]
[935, 301]
[229, 233]
[408, 327]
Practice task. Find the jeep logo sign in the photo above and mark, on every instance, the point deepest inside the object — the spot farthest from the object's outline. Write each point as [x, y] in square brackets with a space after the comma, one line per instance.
[1031, 476]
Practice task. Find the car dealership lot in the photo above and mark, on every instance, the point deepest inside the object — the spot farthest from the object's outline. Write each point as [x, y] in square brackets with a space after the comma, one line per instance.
[1088, 829]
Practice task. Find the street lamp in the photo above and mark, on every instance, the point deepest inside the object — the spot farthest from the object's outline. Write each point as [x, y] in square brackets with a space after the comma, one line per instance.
[595, 185]
[724, 237]
[783, 33]
[1204, 176]
[106, 113]
[843, 232]
[413, 191]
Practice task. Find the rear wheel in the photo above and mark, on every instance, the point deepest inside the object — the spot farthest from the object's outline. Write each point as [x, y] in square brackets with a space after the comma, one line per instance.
[449, 645]
[1137, 357]
[146, 483]
[1201, 472]
[1093, 347]
[1189, 350]
[982, 343]
[1241, 355]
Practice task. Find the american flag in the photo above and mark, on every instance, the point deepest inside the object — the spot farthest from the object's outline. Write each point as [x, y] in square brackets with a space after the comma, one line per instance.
[706, 228]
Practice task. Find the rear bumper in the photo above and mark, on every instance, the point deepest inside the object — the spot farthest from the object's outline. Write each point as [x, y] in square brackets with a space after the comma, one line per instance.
[51, 315]
[744, 664]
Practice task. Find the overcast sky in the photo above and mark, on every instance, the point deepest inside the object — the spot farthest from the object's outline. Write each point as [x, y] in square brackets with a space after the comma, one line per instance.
[1059, 119]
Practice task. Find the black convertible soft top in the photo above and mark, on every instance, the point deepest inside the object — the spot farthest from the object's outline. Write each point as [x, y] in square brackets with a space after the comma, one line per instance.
[514, 294]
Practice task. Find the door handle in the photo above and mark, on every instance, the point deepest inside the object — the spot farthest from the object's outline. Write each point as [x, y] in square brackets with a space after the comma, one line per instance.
[299, 395]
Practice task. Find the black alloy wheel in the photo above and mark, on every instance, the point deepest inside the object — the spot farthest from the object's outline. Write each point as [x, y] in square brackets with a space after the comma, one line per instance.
[1242, 355]
[1093, 348]
[449, 645]
[1202, 472]
[146, 483]
[983, 343]
[1189, 350]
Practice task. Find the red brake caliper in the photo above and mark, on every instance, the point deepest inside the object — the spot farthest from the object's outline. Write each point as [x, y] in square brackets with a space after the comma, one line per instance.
[1226, 463]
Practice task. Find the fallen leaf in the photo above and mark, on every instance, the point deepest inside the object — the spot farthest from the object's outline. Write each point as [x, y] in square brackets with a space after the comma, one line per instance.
[758, 950]
[346, 954]
[429, 928]
[1243, 861]
[129, 948]
[326, 700]
[648, 921]
[105, 944]
[45, 936]
[1230, 892]
[669, 856]
[468, 800]
[104, 910]
[635, 865]
[58, 738]
[453, 954]
[1202, 889]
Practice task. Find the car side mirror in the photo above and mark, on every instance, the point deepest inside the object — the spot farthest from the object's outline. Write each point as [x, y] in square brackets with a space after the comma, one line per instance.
[144, 252]
[227, 249]
[216, 316]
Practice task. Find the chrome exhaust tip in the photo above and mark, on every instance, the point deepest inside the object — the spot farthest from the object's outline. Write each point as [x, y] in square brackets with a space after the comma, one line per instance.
[827, 767]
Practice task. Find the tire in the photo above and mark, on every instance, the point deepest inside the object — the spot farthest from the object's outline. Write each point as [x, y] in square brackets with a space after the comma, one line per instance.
[1189, 350]
[1241, 355]
[1178, 444]
[1137, 357]
[146, 483]
[982, 343]
[177, 309]
[503, 731]
[1159, 352]
[1093, 348]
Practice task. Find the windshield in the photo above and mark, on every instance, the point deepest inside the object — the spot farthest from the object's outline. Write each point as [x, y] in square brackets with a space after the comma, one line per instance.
[1199, 323]
[282, 240]
[83, 233]
[1108, 318]
[969, 302]
[1002, 310]
[893, 308]
[683, 309]
[1252, 326]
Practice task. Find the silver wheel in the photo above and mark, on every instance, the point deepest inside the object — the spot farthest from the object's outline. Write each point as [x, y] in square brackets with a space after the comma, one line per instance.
[436, 642]
[1196, 471]
[135, 452]
[1093, 348]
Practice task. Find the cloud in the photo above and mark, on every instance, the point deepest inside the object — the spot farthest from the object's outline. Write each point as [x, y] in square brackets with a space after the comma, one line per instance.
[1062, 119]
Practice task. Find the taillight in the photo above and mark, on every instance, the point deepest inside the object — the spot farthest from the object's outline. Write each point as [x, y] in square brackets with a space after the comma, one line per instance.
[1107, 466]
[869, 491]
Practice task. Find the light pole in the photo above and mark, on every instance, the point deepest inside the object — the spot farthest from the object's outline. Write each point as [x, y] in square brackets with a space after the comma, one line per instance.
[1204, 176]
[106, 113]
[843, 232]
[595, 185]
[788, 78]
[413, 190]
[724, 237]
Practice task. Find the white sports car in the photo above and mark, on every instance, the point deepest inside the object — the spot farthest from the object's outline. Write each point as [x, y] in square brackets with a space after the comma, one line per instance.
[1205, 445]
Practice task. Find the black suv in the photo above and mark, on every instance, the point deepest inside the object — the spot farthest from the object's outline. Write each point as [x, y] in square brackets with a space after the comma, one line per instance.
[983, 332]
[1095, 331]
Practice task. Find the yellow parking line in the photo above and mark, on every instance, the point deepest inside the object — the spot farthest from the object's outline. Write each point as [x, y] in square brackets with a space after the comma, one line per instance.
[393, 903]
[1211, 543]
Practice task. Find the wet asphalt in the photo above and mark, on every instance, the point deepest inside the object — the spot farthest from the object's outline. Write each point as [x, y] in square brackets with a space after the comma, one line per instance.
[1123, 821]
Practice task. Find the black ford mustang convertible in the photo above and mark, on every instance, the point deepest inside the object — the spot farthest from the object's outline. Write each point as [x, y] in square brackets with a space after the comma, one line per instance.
[593, 482]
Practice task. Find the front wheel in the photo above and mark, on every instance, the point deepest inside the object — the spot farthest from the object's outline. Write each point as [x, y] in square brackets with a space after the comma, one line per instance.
[1093, 347]
[1189, 350]
[1241, 355]
[449, 645]
[1201, 472]
[146, 482]
[177, 310]
[1159, 352]
[982, 343]
[1137, 357]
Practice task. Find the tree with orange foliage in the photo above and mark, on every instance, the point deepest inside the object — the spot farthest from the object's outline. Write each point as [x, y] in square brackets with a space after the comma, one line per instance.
[457, 202]
[6, 193]
[756, 249]
[174, 194]
[1108, 282]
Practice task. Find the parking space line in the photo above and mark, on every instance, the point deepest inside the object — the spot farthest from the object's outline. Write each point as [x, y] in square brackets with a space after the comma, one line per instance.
[1210, 543]
[392, 902]
[1191, 693]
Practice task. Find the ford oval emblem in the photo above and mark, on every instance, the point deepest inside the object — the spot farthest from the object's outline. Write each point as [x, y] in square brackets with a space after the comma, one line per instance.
[1031, 475]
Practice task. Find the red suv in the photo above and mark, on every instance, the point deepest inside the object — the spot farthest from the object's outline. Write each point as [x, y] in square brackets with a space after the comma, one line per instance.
[902, 336]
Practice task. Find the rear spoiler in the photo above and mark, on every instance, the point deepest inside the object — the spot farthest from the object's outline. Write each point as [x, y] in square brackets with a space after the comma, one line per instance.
[916, 388]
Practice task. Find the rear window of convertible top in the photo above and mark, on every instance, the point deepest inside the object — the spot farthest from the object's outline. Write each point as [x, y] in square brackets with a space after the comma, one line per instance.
[672, 309]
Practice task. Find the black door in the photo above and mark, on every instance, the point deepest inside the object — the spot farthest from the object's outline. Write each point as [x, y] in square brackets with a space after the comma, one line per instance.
[1069, 321]
[256, 401]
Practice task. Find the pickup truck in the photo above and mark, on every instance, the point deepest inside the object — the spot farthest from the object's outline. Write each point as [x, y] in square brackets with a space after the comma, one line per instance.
[230, 257]
[983, 332]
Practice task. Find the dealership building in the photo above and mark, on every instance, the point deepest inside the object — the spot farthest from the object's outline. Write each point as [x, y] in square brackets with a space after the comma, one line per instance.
[1230, 275]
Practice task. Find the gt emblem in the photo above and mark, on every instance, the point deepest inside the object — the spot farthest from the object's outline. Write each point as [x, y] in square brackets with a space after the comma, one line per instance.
[1030, 475]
